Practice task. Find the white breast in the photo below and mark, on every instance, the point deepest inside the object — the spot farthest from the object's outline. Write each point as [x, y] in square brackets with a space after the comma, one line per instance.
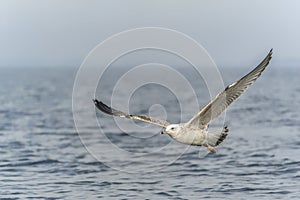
[191, 136]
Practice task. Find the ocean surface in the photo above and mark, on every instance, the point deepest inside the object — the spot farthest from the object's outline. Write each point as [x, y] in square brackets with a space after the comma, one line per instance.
[44, 156]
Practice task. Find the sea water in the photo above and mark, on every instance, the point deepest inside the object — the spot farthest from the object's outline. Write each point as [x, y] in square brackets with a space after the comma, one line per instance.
[42, 155]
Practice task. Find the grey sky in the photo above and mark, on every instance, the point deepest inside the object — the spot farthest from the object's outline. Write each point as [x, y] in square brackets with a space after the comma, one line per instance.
[62, 32]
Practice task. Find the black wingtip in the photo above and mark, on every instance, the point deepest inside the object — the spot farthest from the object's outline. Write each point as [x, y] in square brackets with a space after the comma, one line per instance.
[268, 57]
[95, 101]
[97, 104]
[271, 53]
[104, 108]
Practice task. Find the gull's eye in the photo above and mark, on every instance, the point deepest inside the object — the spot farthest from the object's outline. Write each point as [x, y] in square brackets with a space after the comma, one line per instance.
[172, 128]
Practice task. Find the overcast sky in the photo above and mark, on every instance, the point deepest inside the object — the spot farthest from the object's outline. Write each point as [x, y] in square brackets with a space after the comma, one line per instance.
[62, 32]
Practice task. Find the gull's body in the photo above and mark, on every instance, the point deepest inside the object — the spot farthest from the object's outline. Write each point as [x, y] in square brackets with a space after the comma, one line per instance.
[194, 132]
[186, 134]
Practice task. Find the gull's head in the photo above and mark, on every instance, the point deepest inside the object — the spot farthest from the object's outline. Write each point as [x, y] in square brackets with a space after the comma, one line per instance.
[171, 130]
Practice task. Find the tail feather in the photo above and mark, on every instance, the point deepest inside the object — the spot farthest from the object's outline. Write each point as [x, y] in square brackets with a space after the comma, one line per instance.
[214, 139]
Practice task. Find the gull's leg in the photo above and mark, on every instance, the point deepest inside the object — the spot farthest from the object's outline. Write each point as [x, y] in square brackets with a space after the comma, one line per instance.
[210, 148]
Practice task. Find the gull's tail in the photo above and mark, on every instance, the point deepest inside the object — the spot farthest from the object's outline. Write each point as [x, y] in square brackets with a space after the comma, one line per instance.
[214, 139]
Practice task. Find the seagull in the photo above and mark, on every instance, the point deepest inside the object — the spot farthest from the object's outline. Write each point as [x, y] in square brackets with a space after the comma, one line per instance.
[195, 131]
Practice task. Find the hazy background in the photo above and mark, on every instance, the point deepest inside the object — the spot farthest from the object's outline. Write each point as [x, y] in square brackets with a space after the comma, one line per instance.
[61, 33]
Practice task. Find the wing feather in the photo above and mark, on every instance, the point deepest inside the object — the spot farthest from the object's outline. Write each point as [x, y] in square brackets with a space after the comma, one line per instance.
[217, 105]
[111, 111]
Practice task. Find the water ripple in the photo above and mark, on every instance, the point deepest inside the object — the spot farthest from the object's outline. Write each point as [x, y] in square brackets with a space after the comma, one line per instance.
[42, 157]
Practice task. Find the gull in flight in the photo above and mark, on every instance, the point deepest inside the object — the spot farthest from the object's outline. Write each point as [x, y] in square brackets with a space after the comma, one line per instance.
[195, 131]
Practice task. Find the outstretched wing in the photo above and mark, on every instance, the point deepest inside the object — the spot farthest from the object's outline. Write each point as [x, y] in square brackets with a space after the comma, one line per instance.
[108, 110]
[217, 105]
